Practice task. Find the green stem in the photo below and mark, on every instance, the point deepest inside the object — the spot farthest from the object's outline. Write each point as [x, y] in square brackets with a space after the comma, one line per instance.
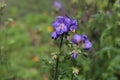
[56, 69]
[57, 60]
[72, 77]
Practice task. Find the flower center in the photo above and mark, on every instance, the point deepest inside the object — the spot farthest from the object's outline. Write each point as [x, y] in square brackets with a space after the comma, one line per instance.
[73, 30]
[61, 25]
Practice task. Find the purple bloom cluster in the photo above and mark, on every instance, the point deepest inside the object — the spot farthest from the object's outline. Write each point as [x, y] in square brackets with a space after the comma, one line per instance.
[63, 25]
[80, 39]
[77, 39]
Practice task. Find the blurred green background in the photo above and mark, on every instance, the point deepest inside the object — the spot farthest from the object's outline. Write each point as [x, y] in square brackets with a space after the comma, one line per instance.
[26, 44]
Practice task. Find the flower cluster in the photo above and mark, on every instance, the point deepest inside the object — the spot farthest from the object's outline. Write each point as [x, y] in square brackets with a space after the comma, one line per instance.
[63, 25]
[77, 39]
[80, 39]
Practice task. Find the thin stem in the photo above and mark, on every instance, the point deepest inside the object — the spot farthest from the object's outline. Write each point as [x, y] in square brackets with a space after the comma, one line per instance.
[61, 41]
[72, 77]
[56, 69]
[57, 60]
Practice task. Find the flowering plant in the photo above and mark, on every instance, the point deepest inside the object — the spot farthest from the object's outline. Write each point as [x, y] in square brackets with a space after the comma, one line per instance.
[63, 26]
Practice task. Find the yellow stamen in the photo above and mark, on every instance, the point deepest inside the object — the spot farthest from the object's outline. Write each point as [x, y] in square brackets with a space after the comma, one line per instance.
[73, 31]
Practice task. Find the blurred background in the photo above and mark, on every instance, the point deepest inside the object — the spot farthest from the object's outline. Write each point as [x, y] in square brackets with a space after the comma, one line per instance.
[26, 44]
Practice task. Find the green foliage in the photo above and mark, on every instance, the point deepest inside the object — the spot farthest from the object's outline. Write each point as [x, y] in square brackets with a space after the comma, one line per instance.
[26, 45]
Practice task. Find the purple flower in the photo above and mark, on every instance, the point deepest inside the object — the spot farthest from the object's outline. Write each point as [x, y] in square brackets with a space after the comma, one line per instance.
[76, 39]
[54, 35]
[67, 21]
[73, 25]
[61, 24]
[84, 37]
[87, 45]
[57, 5]
[74, 55]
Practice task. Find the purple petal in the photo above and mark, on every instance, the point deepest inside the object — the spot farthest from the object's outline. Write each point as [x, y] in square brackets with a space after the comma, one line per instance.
[87, 45]
[54, 35]
[64, 29]
[76, 39]
[67, 21]
[59, 31]
[73, 22]
[73, 27]
[60, 19]
[74, 55]
[55, 24]
[84, 37]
